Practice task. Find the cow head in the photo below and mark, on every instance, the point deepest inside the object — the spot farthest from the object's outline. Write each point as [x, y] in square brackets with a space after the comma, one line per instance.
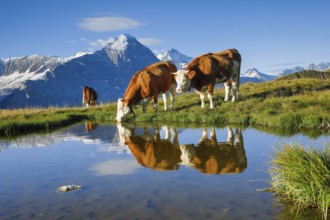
[182, 80]
[122, 110]
[187, 155]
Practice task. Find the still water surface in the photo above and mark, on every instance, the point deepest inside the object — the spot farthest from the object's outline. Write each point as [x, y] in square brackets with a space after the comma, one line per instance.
[143, 173]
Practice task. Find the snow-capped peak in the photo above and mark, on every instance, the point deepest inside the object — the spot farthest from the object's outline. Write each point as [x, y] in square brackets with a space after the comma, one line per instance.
[179, 59]
[120, 43]
[254, 73]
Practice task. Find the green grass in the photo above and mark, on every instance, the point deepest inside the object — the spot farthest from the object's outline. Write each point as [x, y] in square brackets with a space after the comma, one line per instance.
[302, 177]
[284, 104]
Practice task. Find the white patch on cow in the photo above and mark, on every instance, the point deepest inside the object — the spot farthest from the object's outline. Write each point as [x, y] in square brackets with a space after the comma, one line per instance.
[211, 100]
[202, 97]
[235, 88]
[165, 101]
[183, 82]
[187, 154]
[122, 110]
[227, 90]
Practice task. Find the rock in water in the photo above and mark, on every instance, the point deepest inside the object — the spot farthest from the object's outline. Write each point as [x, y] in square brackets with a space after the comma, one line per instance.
[68, 188]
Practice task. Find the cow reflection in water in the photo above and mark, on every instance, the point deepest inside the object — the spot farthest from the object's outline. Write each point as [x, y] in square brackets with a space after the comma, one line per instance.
[150, 150]
[90, 126]
[213, 157]
[209, 156]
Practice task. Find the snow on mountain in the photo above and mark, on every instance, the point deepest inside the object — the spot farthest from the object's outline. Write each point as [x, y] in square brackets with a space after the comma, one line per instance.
[179, 59]
[253, 75]
[108, 71]
[78, 54]
[14, 72]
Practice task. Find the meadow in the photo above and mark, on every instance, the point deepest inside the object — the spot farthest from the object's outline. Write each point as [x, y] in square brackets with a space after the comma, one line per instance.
[285, 104]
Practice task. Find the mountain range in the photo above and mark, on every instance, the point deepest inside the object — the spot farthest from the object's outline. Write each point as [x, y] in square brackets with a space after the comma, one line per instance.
[28, 82]
[41, 81]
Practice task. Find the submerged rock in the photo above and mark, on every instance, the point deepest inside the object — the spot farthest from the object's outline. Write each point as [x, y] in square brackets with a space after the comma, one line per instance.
[68, 188]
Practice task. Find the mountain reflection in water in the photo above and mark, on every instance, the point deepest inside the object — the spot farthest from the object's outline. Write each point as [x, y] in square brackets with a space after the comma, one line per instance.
[207, 156]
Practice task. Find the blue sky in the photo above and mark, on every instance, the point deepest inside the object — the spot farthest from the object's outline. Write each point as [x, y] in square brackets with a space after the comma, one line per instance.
[270, 35]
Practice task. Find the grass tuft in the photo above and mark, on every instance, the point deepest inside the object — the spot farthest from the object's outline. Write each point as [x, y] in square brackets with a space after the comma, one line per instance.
[302, 176]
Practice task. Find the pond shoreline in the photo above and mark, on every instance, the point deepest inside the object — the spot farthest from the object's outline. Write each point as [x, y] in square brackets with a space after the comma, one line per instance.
[287, 104]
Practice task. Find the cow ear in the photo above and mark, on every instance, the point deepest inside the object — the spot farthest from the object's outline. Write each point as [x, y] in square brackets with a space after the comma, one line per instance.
[175, 73]
[186, 72]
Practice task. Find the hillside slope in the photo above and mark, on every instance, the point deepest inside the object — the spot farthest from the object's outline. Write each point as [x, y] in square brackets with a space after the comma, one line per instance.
[307, 74]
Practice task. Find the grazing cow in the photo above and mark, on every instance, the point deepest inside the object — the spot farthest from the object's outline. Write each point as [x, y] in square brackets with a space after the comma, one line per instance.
[214, 157]
[89, 97]
[209, 69]
[147, 84]
[150, 150]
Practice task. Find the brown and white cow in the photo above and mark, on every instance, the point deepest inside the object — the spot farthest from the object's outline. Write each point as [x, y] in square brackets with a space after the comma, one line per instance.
[209, 69]
[89, 97]
[146, 85]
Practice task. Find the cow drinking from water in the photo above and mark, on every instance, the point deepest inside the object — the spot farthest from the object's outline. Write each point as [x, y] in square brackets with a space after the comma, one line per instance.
[146, 85]
[89, 97]
[209, 69]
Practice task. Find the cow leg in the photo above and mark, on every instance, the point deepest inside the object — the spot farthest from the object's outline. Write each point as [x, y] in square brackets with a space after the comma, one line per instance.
[238, 136]
[154, 103]
[144, 103]
[204, 135]
[172, 96]
[210, 96]
[210, 89]
[202, 96]
[144, 107]
[167, 133]
[213, 136]
[165, 101]
[235, 88]
[227, 90]
[235, 77]
[230, 138]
